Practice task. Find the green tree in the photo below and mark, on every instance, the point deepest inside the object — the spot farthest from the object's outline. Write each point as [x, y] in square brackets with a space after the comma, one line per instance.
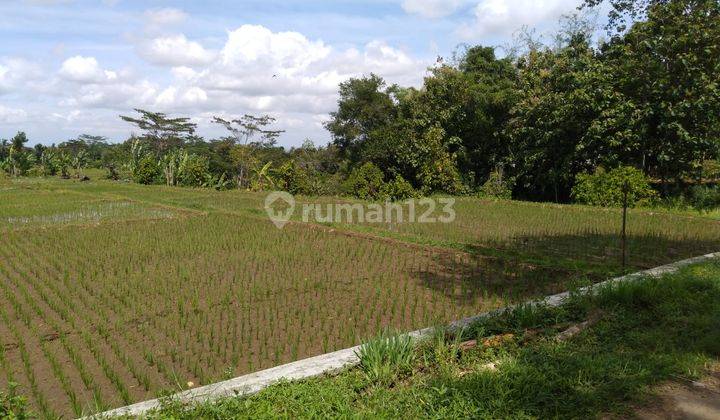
[471, 102]
[548, 124]
[608, 189]
[365, 182]
[365, 106]
[249, 134]
[161, 132]
[662, 110]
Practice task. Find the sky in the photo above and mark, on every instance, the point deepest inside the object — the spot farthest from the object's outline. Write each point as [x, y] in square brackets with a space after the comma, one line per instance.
[69, 67]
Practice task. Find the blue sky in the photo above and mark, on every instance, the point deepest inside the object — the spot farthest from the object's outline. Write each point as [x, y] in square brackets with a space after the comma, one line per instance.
[69, 67]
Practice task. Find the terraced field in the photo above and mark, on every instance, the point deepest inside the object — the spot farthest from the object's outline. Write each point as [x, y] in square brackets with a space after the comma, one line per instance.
[112, 293]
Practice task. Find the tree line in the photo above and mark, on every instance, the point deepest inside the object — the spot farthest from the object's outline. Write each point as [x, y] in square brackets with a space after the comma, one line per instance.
[538, 124]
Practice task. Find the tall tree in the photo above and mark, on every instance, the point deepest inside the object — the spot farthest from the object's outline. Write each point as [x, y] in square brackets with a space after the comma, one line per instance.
[471, 102]
[160, 131]
[365, 106]
[548, 125]
[249, 133]
[663, 103]
[623, 12]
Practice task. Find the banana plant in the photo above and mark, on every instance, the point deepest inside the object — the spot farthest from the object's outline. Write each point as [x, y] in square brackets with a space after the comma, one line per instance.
[219, 183]
[79, 161]
[63, 163]
[262, 177]
[48, 163]
[172, 164]
[137, 153]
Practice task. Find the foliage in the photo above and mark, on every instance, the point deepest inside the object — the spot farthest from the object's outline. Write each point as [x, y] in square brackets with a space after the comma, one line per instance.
[193, 170]
[147, 170]
[79, 162]
[705, 198]
[64, 162]
[608, 189]
[646, 97]
[497, 186]
[365, 182]
[162, 133]
[48, 163]
[13, 406]
[218, 183]
[398, 189]
[250, 135]
[711, 170]
[170, 164]
[663, 100]
[17, 160]
[261, 178]
[386, 356]
[291, 177]
[365, 105]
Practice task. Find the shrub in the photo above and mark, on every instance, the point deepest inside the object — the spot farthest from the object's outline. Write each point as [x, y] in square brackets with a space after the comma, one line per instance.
[711, 170]
[193, 170]
[497, 186]
[365, 182]
[292, 178]
[704, 198]
[13, 406]
[147, 170]
[398, 189]
[437, 170]
[386, 356]
[606, 188]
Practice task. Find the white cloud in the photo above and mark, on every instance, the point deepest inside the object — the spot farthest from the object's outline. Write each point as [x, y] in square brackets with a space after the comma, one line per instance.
[432, 9]
[501, 17]
[261, 70]
[12, 115]
[175, 50]
[120, 95]
[17, 74]
[283, 52]
[173, 97]
[256, 70]
[86, 70]
[163, 17]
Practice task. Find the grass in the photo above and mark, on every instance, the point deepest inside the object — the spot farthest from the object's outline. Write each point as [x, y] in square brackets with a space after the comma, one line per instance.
[642, 333]
[116, 292]
[385, 356]
[573, 237]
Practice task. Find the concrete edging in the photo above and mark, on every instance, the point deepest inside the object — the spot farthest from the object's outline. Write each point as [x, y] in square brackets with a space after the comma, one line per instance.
[333, 362]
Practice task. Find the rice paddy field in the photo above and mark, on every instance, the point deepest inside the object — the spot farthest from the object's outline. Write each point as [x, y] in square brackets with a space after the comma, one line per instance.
[112, 293]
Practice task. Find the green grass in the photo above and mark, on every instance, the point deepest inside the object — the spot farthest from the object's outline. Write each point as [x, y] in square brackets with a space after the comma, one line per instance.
[644, 333]
[572, 237]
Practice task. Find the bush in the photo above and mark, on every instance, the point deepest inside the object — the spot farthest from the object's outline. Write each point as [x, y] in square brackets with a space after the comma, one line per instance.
[294, 179]
[704, 198]
[384, 357]
[606, 188]
[711, 170]
[497, 186]
[398, 189]
[147, 171]
[13, 406]
[193, 171]
[365, 182]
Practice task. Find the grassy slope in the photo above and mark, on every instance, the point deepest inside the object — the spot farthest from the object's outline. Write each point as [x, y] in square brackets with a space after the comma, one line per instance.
[645, 333]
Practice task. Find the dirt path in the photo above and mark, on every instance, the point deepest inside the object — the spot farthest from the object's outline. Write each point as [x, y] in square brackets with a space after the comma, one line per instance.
[683, 399]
